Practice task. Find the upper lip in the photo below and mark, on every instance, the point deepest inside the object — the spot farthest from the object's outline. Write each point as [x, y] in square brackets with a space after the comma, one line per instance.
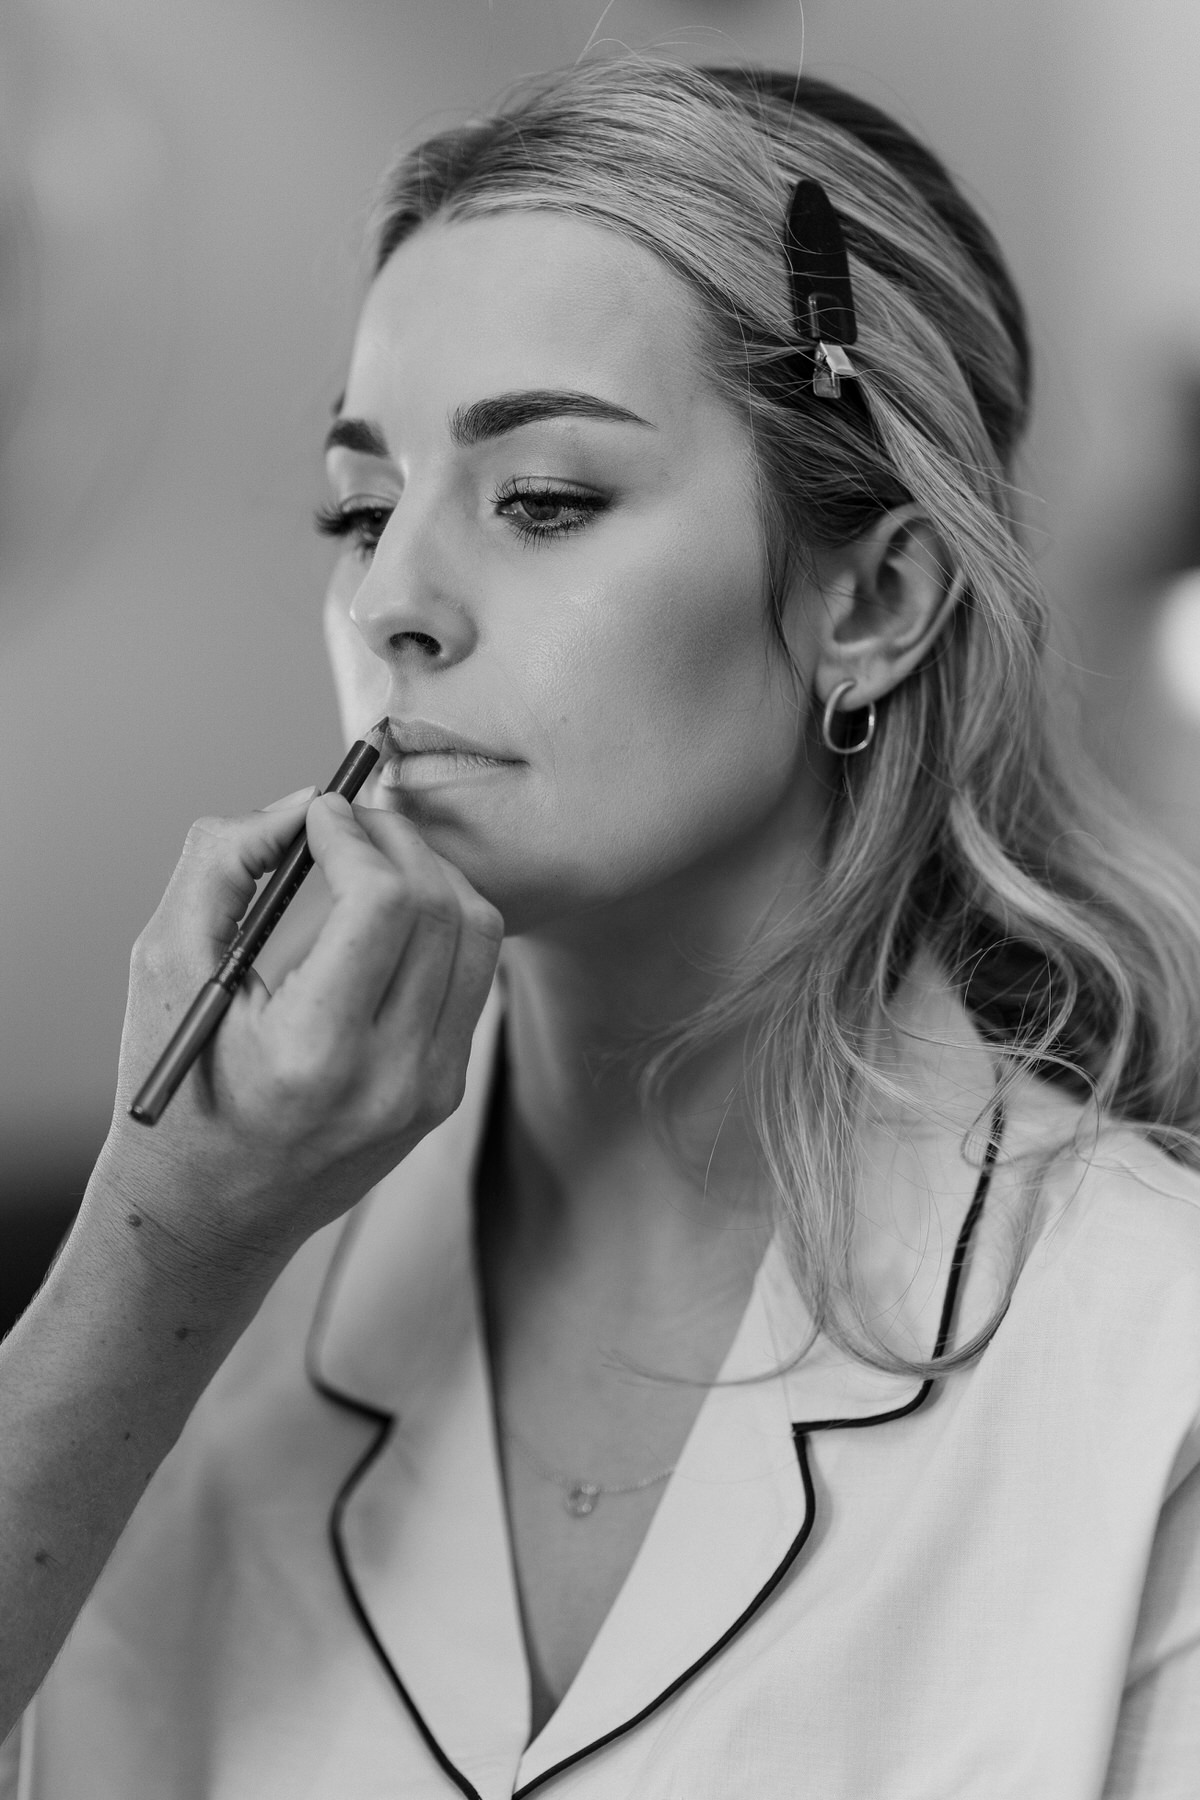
[409, 737]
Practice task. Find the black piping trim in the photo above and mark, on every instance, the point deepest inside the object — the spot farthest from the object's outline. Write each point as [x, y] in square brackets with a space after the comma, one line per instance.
[763, 1593]
[386, 1422]
[946, 1322]
[799, 1431]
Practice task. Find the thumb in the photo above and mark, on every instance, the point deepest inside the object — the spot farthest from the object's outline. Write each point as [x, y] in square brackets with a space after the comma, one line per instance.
[301, 797]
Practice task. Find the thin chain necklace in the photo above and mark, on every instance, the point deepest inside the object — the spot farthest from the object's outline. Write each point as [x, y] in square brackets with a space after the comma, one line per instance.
[580, 1497]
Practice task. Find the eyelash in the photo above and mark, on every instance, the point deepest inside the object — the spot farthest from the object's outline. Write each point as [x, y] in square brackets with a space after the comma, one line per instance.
[365, 524]
[353, 522]
[589, 505]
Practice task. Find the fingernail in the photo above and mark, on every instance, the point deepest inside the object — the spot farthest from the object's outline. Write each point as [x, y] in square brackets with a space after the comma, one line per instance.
[292, 800]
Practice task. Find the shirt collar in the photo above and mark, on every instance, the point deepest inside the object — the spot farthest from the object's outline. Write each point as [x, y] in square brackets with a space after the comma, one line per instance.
[402, 1299]
[424, 1532]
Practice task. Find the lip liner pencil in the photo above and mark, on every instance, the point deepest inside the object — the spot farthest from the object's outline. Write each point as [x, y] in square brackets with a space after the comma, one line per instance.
[212, 1002]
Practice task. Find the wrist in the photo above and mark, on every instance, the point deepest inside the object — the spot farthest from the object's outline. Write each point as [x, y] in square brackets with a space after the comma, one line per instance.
[165, 1229]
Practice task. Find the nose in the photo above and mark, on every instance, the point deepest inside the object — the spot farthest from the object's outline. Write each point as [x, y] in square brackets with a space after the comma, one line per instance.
[411, 605]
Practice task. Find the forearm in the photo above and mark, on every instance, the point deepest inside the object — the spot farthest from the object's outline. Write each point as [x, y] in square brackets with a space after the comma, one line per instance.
[305, 1099]
[96, 1382]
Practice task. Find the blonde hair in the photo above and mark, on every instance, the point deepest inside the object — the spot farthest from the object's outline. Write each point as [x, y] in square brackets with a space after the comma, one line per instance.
[1075, 948]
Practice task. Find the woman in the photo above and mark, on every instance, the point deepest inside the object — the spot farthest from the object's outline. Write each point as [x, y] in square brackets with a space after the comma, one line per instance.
[769, 1359]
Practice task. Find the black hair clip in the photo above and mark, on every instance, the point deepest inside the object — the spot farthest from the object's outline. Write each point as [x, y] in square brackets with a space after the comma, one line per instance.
[822, 301]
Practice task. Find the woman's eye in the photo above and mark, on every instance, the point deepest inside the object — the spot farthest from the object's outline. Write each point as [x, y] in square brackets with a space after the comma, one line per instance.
[535, 513]
[538, 513]
[363, 525]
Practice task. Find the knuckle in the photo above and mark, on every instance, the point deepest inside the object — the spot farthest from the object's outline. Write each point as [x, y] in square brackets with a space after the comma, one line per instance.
[422, 896]
[298, 1065]
[441, 909]
[446, 1082]
[435, 1084]
[386, 1109]
[454, 1088]
[478, 961]
[440, 1097]
[487, 920]
[149, 958]
[449, 1092]
[388, 895]
[203, 836]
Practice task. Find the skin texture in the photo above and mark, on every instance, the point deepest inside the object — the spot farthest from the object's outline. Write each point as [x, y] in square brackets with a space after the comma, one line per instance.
[619, 660]
[645, 828]
[304, 1099]
[665, 806]
[661, 806]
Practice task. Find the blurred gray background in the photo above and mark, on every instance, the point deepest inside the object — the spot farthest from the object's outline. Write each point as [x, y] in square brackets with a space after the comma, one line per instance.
[182, 194]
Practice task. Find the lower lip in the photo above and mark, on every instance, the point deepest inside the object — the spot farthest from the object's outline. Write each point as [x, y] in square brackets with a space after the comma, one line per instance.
[432, 768]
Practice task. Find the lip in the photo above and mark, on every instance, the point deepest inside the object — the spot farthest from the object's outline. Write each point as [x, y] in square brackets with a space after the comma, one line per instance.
[418, 737]
[435, 768]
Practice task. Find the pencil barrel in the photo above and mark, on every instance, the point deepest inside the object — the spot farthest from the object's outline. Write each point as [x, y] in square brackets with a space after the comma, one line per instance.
[273, 902]
[212, 1002]
[285, 883]
[195, 1028]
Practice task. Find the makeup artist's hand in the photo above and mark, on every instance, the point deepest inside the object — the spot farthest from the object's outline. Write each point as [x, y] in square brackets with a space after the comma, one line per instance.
[302, 1101]
[308, 1096]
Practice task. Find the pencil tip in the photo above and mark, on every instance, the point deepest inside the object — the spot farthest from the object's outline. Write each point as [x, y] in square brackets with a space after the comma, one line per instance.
[377, 734]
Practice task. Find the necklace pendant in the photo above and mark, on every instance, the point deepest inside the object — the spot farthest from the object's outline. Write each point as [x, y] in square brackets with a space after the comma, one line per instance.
[580, 1498]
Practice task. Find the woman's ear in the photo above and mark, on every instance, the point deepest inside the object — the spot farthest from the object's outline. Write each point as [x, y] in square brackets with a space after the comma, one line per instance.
[883, 601]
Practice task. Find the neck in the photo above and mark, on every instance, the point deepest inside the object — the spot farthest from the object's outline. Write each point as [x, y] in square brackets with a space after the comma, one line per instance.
[592, 1175]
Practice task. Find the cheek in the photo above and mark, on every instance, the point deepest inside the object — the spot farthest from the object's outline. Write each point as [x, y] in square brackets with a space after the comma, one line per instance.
[672, 726]
[360, 680]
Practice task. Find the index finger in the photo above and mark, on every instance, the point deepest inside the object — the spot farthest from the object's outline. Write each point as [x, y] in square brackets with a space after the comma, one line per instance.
[222, 860]
[354, 956]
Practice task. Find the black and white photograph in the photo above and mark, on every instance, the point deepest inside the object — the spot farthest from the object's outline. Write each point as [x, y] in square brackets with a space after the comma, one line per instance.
[599, 900]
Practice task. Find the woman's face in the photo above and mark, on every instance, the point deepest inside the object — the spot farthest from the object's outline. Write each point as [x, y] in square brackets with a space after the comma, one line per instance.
[552, 549]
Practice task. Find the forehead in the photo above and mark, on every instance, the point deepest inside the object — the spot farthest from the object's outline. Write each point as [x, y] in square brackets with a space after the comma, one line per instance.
[520, 300]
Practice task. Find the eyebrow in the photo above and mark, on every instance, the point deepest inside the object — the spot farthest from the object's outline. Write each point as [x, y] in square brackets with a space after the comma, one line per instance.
[356, 434]
[492, 418]
[508, 412]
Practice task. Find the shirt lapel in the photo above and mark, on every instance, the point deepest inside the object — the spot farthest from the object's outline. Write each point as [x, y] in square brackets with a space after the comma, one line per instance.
[420, 1526]
[732, 1521]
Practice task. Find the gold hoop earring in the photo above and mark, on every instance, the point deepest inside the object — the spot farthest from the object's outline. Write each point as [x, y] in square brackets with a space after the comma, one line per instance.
[831, 707]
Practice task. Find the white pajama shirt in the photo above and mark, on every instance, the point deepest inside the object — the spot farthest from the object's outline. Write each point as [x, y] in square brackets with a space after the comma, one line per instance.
[849, 1590]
